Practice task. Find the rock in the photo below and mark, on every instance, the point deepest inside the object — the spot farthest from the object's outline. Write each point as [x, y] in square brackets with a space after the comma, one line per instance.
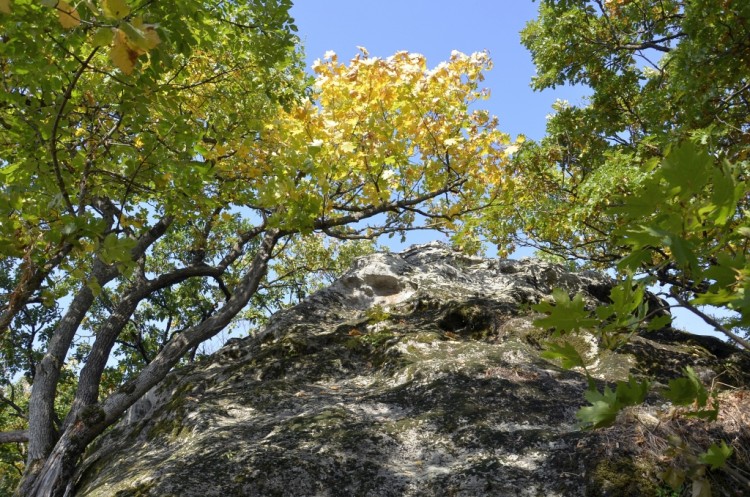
[414, 374]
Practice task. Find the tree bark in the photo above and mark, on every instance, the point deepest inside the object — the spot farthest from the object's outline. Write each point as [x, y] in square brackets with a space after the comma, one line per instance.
[14, 436]
[42, 433]
[53, 477]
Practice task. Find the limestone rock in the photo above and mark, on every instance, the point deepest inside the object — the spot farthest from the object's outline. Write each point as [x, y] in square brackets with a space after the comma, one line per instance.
[415, 374]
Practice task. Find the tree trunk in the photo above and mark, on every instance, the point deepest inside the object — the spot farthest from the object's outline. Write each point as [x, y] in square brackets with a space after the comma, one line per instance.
[53, 476]
[42, 433]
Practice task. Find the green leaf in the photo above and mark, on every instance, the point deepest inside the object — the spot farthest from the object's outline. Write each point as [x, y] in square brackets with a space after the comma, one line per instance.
[566, 314]
[686, 169]
[566, 353]
[603, 409]
[115, 9]
[633, 392]
[659, 322]
[634, 260]
[724, 201]
[605, 405]
[102, 37]
[687, 390]
[95, 287]
[684, 253]
[716, 455]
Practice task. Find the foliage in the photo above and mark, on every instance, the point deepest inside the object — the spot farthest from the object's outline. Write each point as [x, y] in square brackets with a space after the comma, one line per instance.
[660, 73]
[164, 165]
[605, 405]
[649, 178]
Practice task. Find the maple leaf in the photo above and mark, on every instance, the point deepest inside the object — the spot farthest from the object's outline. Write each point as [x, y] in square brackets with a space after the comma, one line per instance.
[566, 314]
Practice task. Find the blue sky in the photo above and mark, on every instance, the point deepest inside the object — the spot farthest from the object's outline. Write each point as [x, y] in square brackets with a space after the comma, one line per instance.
[435, 28]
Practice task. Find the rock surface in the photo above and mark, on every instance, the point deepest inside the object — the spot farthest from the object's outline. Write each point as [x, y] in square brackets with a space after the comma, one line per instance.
[415, 374]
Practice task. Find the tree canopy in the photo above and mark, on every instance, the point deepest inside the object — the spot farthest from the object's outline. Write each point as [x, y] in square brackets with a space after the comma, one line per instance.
[651, 174]
[164, 165]
[169, 170]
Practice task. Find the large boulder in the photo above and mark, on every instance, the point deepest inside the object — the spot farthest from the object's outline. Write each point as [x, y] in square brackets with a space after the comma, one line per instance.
[415, 374]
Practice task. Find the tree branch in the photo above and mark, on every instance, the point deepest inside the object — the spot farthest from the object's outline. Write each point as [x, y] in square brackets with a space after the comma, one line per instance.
[709, 320]
[17, 436]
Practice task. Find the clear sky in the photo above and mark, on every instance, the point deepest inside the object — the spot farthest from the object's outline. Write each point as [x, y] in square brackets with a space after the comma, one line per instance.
[435, 28]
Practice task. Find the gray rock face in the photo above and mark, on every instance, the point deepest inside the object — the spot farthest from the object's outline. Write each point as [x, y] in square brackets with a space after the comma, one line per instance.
[415, 374]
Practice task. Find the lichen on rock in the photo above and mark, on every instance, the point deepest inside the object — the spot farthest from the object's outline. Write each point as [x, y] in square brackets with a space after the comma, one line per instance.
[415, 374]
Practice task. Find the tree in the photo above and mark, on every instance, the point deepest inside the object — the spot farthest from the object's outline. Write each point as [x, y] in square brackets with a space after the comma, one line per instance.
[157, 158]
[650, 179]
[622, 185]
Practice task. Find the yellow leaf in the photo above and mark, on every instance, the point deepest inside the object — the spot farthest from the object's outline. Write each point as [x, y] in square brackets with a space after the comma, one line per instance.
[69, 17]
[151, 36]
[115, 9]
[5, 6]
[511, 150]
[121, 55]
[348, 147]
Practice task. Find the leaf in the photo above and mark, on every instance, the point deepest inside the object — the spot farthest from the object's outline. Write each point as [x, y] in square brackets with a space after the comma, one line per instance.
[716, 455]
[5, 6]
[603, 409]
[348, 147]
[605, 406]
[701, 488]
[94, 286]
[633, 392]
[102, 37]
[121, 55]
[687, 169]
[68, 15]
[566, 314]
[674, 477]
[115, 9]
[659, 322]
[723, 196]
[566, 353]
[687, 390]
[140, 37]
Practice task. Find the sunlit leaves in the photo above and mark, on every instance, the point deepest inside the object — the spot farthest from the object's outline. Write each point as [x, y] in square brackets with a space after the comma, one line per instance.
[69, 17]
[115, 9]
[384, 130]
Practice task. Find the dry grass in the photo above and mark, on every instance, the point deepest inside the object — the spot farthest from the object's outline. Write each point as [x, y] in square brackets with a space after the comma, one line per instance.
[662, 439]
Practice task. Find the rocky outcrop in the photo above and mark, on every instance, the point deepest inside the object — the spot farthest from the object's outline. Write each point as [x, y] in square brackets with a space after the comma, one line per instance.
[415, 374]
